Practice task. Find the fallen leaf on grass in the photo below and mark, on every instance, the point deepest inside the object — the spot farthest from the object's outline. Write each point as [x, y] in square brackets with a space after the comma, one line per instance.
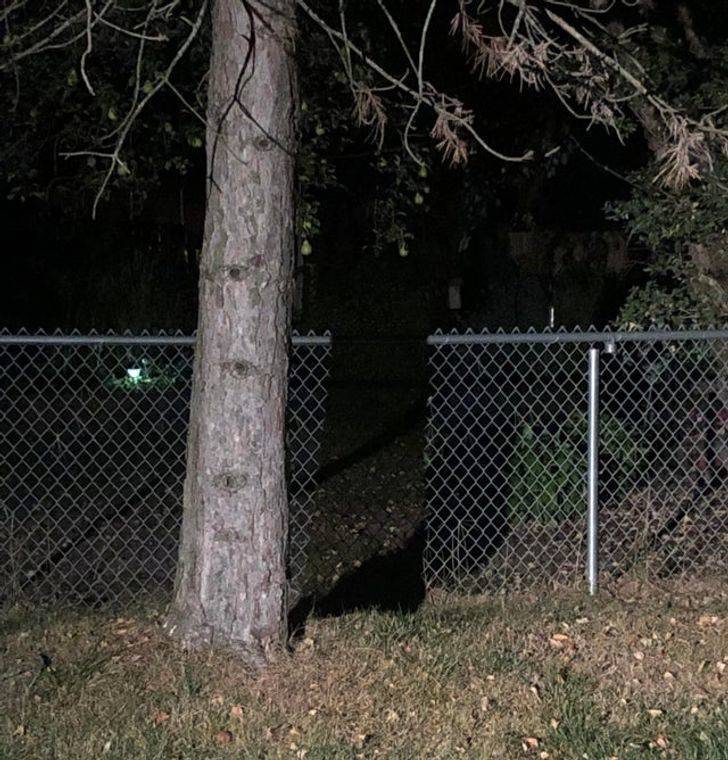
[654, 712]
[529, 744]
[359, 740]
[560, 640]
[223, 737]
[160, 717]
[236, 711]
[704, 621]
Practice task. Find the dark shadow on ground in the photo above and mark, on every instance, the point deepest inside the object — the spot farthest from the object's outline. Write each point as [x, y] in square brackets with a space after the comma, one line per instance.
[388, 582]
[412, 416]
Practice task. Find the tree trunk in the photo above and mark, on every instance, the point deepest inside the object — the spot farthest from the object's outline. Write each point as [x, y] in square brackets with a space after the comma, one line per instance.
[230, 589]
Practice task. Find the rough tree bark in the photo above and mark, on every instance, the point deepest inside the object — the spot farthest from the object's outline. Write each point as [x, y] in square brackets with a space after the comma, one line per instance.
[230, 589]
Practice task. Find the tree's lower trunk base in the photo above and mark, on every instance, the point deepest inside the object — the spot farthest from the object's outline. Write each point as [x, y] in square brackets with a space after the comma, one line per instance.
[195, 635]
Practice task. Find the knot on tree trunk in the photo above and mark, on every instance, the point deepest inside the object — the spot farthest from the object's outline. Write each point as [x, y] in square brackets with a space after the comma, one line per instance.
[230, 481]
[262, 142]
[239, 368]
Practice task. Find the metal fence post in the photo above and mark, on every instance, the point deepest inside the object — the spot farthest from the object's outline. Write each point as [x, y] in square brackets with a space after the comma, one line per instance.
[592, 567]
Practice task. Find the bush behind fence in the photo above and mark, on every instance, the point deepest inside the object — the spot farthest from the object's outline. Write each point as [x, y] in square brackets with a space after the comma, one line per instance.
[508, 452]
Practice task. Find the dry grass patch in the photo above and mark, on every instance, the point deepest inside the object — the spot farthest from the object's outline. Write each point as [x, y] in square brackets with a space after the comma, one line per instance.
[640, 672]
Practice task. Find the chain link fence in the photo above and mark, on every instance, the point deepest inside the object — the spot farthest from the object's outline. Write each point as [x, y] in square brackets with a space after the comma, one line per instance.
[510, 468]
[92, 461]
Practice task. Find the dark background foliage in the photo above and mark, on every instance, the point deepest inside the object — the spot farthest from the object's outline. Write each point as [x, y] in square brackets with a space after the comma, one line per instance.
[380, 238]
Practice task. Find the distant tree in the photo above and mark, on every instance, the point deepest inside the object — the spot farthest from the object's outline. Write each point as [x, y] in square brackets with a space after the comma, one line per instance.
[682, 219]
[231, 585]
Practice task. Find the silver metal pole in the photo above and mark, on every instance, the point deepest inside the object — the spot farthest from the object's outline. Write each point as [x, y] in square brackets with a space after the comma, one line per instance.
[592, 566]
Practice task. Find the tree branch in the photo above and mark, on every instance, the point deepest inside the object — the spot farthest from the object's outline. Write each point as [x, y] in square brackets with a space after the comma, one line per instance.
[114, 156]
[438, 102]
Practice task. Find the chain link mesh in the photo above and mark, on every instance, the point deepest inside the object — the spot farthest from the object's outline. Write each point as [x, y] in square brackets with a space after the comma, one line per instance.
[92, 449]
[507, 458]
[92, 461]
[307, 395]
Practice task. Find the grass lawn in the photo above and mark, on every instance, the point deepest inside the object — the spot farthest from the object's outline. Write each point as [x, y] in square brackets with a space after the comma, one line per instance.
[641, 672]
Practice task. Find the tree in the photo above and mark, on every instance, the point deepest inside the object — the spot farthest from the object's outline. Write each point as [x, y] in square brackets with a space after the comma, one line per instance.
[231, 581]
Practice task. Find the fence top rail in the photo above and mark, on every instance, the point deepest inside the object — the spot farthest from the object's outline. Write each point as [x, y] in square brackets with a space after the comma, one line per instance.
[591, 336]
[22, 339]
